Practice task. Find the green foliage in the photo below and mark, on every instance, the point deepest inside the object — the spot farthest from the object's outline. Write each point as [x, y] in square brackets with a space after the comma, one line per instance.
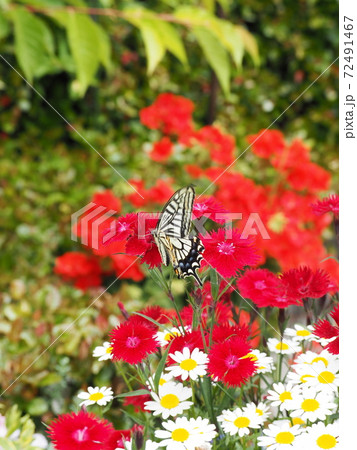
[36, 30]
[24, 427]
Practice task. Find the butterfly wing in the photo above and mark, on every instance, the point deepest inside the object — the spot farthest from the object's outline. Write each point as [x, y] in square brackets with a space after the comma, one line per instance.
[176, 215]
[188, 256]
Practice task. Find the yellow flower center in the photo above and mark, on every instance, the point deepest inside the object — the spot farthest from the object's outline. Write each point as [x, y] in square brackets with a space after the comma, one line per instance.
[162, 381]
[180, 435]
[95, 397]
[284, 437]
[303, 378]
[169, 401]
[259, 412]
[326, 377]
[310, 404]
[297, 421]
[261, 367]
[277, 222]
[320, 358]
[281, 346]
[285, 396]
[241, 422]
[303, 333]
[250, 356]
[188, 364]
[169, 336]
[109, 350]
[326, 441]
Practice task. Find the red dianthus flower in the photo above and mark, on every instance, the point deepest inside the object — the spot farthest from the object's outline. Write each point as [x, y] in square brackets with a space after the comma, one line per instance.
[228, 255]
[327, 204]
[161, 150]
[79, 431]
[267, 143]
[210, 208]
[305, 283]
[227, 362]
[132, 342]
[260, 285]
[324, 329]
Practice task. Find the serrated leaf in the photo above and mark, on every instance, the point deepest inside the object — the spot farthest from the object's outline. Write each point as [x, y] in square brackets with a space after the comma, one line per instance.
[85, 44]
[34, 45]
[173, 41]
[216, 56]
[250, 44]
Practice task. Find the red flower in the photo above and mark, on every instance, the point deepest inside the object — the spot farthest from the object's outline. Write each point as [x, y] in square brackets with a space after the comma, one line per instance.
[161, 150]
[191, 339]
[303, 283]
[222, 333]
[267, 143]
[132, 342]
[138, 401]
[172, 114]
[222, 312]
[160, 192]
[79, 431]
[117, 439]
[220, 145]
[107, 199]
[260, 285]
[124, 227]
[83, 269]
[209, 207]
[142, 241]
[227, 362]
[324, 329]
[157, 313]
[227, 255]
[327, 204]
[126, 267]
[309, 176]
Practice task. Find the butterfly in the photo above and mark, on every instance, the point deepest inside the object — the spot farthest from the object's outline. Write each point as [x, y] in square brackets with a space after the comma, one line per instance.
[172, 235]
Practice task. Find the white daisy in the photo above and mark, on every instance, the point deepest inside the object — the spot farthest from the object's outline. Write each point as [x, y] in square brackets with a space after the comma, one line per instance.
[101, 396]
[190, 364]
[164, 378]
[184, 434]
[312, 357]
[312, 405]
[262, 410]
[103, 352]
[319, 436]
[264, 363]
[164, 337]
[316, 374]
[285, 346]
[282, 395]
[239, 421]
[170, 401]
[299, 333]
[279, 436]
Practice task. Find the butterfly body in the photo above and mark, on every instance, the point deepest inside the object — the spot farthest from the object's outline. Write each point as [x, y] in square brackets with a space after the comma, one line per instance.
[172, 235]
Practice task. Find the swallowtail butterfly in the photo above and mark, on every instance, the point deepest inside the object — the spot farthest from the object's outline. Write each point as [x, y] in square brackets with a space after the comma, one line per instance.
[172, 235]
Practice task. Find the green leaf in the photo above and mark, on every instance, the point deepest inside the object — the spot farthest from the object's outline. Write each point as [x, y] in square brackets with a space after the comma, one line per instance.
[173, 42]
[215, 54]
[160, 368]
[34, 45]
[133, 393]
[231, 38]
[153, 42]
[4, 26]
[250, 44]
[87, 47]
[214, 283]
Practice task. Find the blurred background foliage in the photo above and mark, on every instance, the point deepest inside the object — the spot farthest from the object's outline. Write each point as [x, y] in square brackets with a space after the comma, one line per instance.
[98, 71]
